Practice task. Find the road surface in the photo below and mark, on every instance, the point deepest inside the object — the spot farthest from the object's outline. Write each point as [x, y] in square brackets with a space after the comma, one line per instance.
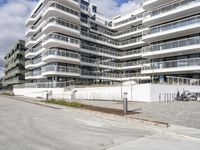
[26, 126]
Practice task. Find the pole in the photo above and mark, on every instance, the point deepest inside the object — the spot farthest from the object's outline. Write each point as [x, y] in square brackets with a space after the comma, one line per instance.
[125, 103]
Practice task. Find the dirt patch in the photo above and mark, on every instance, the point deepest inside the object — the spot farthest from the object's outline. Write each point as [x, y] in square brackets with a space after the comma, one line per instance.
[92, 108]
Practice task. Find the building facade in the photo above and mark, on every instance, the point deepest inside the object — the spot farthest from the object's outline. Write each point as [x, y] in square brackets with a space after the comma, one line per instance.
[14, 71]
[173, 38]
[68, 40]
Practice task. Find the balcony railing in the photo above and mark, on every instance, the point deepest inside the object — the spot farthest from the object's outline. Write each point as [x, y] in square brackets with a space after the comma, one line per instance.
[33, 50]
[58, 68]
[170, 7]
[119, 33]
[62, 38]
[109, 75]
[110, 41]
[172, 64]
[173, 25]
[110, 51]
[64, 23]
[46, 85]
[109, 63]
[34, 61]
[59, 52]
[134, 17]
[172, 44]
[33, 73]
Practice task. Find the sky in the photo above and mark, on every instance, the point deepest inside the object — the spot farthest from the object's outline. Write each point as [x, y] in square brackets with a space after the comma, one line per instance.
[13, 14]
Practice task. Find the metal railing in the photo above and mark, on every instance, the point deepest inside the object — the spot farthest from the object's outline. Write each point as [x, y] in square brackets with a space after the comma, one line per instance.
[64, 23]
[110, 41]
[172, 44]
[170, 7]
[52, 84]
[33, 50]
[119, 33]
[58, 68]
[134, 17]
[59, 52]
[181, 81]
[33, 73]
[173, 25]
[109, 63]
[172, 64]
[62, 38]
[33, 61]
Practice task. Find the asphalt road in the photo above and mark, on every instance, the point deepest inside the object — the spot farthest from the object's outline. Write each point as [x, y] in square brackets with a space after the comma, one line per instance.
[26, 126]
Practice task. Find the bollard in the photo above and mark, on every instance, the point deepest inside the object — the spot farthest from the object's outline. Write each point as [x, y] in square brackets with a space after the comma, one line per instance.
[125, 104]
[47, 95]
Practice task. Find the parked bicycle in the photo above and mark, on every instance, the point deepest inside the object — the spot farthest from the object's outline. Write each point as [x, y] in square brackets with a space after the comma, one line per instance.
[186, 96]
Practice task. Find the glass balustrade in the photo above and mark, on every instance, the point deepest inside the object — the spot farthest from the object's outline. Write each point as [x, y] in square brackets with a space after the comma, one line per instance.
[173, 25]
[170, 7]
[109, 75]
[63, 23]
[58, 68]
[172, 64]
[110, 41]
[62, 38]
[110, 52]
[133, 17]
[59, 52]
[110, 64]
[119, 33]
[33, 50]
[173, 44]
[34, 61]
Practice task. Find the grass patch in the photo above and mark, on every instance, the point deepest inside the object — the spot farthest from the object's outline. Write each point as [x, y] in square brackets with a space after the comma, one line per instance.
[88, 107]
[65, 103]
[8, 94]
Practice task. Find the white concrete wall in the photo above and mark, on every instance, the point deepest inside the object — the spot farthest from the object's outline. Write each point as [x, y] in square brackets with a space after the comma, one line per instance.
[141, 92]
[41, 92]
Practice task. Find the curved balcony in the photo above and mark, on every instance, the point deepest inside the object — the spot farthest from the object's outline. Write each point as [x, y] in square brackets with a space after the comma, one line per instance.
[54, 7]
[122, 35]
[109, 64]
[34, 63]
[172, 11]
[173, 29]
[132, 20]
[58, 55]
[62, 26]
[33, 41]
[172, 67]
[52, 70]
[112, 76]
[132, 43]
[62, 41]
[36, 74]
[172, 48]
[32, 52]
[136, 53]
[150, 4]
[61, 11]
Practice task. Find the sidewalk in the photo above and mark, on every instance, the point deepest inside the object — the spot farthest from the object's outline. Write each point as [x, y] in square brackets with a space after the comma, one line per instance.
[185, 114]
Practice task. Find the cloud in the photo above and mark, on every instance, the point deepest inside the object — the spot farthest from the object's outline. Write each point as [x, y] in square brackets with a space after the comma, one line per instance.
[111, 8]
[13, 14]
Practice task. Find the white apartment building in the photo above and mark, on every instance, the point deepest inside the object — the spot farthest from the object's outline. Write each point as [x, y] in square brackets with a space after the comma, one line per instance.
[69, 40]
[173, 38]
